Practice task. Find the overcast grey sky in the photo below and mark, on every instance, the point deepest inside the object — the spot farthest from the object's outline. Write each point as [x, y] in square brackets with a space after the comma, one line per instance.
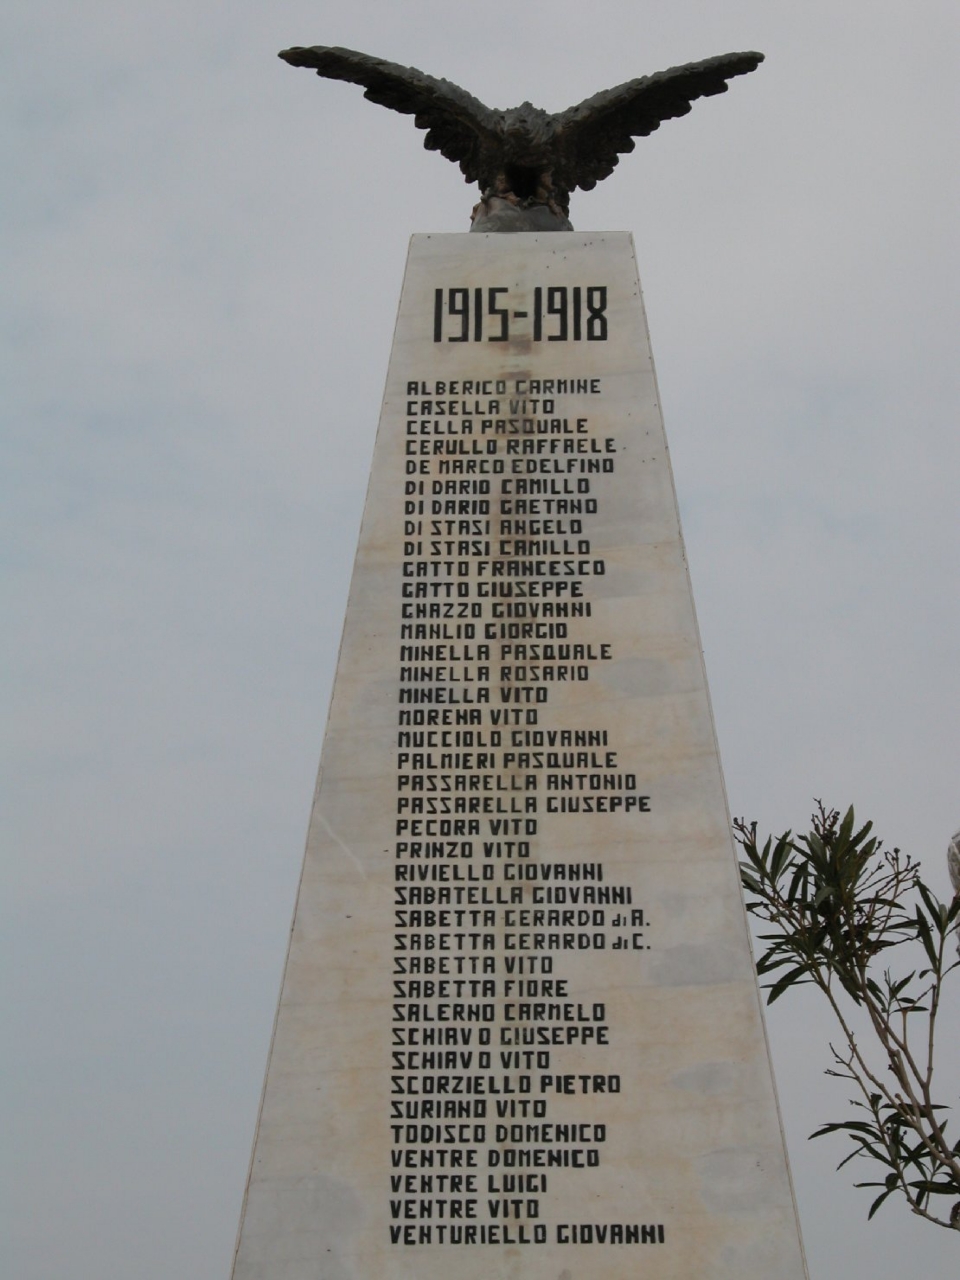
[204, 250]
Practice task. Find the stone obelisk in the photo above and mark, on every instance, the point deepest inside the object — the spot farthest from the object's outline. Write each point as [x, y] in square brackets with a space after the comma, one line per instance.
[519, 1033]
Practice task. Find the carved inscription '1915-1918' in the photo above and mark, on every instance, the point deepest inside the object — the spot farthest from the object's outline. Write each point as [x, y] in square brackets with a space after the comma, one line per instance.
[519, 1011]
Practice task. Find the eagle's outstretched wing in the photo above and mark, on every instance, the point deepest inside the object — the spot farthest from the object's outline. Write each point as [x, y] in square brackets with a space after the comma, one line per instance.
[588, 139]
[458, 125]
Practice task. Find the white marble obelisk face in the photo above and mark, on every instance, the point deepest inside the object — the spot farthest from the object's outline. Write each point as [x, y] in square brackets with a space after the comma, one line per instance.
[519, 1033]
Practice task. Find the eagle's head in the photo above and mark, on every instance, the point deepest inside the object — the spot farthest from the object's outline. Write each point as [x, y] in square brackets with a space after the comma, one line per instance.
[526, 131]
[521, 163]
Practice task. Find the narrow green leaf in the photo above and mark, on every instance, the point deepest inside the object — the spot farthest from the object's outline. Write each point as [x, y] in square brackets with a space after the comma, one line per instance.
[748, 881]
[863, 833]
[860, 1126]
[926, 937]
[877, 1203]
[846, 827]
[929, 901]
[794, 978]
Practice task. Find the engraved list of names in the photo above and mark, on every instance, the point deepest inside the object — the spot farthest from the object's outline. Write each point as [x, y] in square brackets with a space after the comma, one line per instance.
[519, 1012]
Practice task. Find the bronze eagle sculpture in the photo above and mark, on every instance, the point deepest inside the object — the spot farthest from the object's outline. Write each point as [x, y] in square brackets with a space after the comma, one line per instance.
[526, 160]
